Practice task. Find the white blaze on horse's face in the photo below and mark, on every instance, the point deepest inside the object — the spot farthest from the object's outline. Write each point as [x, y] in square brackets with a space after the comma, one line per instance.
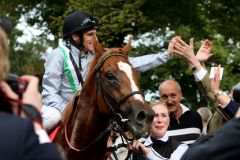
[127, 69]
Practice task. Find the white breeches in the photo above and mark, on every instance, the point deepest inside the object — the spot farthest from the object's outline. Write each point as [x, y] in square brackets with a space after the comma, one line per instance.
[50, 117]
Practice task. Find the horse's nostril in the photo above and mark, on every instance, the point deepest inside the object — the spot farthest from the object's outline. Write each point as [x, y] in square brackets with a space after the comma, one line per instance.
[141, 116]
[144, 117]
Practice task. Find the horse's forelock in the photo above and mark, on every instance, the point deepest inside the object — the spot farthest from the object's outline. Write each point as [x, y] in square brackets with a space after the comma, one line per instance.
[97, 58]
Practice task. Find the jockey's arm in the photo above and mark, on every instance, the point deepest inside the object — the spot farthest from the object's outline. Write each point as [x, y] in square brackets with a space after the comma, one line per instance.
[147, 62]
[52, 81]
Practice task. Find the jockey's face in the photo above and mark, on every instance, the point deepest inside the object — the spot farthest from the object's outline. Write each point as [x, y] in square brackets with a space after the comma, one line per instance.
[88, 40]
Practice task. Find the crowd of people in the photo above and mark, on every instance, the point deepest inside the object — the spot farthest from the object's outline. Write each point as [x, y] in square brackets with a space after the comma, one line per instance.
[177, 132]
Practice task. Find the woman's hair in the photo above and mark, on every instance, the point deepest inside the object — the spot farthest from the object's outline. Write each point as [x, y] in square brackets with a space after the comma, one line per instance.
[4, 63]
[159, 103]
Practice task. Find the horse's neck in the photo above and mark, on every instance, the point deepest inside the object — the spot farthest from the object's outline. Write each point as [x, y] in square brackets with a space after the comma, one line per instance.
[88, 123]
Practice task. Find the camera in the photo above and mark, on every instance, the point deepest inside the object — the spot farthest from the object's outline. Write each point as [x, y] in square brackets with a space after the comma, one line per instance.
[17, 84]
[12, 81]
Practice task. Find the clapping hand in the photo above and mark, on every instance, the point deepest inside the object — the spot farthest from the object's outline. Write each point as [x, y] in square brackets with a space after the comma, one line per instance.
[204, 52]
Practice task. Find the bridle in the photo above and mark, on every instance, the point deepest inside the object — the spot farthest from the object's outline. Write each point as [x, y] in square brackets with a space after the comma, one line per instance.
[118, 119]
[105, 92]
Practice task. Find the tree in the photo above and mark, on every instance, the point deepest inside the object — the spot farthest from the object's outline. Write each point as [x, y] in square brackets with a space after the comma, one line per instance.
[216, 20]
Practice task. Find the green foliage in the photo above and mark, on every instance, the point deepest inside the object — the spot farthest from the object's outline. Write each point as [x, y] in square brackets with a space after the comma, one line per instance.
[117, 18]
[216, 20]
[27, 58]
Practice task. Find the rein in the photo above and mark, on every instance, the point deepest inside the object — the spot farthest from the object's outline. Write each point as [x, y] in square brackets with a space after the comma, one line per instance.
[94, 141]
[118, 118]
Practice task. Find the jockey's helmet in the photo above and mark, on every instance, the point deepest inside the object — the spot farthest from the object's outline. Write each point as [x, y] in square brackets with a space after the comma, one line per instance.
[78, 22]
[6, 24]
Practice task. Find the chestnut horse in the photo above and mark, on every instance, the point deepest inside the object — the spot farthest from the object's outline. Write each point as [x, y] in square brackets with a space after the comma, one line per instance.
[110, 92]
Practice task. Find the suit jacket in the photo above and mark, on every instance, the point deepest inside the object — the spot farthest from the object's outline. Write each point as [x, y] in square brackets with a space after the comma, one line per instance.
[219, 116]
[18, 141]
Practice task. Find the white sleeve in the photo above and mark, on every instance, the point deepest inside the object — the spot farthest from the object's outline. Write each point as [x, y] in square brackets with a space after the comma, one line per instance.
[52, 81]
[178, 153]
[146, 62]
[200, 74]
[42, 136]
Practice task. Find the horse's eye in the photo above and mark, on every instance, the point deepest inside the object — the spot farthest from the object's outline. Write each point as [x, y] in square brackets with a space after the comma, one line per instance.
[110, 76]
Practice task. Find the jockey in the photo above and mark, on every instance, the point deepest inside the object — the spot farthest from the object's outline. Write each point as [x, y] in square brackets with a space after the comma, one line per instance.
[67, 66]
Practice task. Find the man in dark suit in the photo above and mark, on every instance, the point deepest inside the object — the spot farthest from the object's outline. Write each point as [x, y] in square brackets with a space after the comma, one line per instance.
[21, 134]
[20, 142]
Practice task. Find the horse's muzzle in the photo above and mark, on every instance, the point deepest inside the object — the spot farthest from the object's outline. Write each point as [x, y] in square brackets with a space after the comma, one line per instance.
[141, 123]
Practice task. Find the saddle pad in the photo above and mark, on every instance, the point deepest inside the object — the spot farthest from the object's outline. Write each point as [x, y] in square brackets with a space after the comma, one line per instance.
[54, 132]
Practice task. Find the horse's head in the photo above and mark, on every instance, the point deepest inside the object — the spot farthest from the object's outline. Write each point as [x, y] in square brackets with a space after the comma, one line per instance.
[119, 92]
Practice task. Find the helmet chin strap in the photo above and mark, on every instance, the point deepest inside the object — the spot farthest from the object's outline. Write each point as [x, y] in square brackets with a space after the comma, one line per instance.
[78, 45]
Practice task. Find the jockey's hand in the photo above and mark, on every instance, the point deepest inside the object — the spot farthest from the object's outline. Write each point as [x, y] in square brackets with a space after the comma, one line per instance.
[172, 44]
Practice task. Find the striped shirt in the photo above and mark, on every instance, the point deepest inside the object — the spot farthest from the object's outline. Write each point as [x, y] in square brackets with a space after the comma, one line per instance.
[187, 128]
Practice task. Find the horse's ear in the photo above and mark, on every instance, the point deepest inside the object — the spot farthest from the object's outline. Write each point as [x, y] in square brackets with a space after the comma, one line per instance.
[98, 48]
[127, 48]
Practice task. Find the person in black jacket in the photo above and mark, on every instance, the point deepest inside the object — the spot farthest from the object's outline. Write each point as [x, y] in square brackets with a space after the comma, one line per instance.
[21, 134]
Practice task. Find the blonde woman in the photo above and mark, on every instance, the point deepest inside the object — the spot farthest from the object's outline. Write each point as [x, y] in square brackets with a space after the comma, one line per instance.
[158, 145]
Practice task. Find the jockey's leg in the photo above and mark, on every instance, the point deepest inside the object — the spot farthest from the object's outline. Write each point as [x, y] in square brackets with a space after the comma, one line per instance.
[51, 117]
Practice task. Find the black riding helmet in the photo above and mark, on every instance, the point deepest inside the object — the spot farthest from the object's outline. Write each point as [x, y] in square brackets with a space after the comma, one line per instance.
[6, 24]
[78, 22]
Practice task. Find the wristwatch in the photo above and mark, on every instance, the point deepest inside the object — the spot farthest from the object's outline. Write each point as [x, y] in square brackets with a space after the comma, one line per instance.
[218, 93]
[195, 67]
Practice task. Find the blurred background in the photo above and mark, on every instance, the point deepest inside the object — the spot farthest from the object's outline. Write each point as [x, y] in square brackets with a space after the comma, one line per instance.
[151, 23]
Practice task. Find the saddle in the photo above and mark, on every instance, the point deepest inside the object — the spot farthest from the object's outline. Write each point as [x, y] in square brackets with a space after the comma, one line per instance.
[66, 115]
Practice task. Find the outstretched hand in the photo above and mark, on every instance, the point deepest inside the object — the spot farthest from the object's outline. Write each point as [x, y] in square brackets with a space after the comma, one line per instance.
[204, 52]
[187, 52]
[216, 80]
[183, 49]
[171, 45]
